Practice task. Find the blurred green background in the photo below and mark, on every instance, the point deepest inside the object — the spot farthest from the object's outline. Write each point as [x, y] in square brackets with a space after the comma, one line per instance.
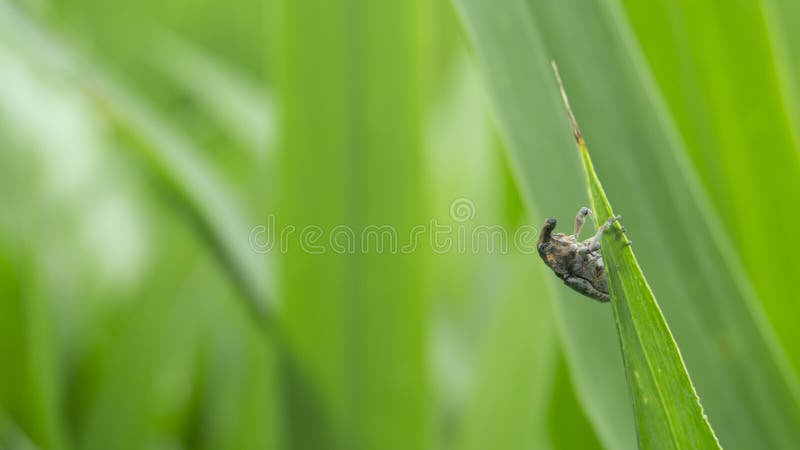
[145, 145]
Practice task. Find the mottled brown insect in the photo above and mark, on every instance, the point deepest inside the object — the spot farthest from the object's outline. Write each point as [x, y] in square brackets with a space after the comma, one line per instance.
[579, 264]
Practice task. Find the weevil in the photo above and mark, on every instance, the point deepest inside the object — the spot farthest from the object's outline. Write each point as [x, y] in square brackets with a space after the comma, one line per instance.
[579, 264]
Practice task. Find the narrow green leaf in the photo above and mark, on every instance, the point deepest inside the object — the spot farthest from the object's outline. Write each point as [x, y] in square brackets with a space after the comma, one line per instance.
[168, 155]
[175, 162]
[228, 95]
[350, 161]
[29, 389]
[508, 405]
[730, 81]
[750, 398]
[141, 358]
[567, 423]
[668, 412]
[240, 406]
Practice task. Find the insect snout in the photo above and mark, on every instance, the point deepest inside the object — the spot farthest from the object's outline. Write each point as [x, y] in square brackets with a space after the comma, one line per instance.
[547, 228]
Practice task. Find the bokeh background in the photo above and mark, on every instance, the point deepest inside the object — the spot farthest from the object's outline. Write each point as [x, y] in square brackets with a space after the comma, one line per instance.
[142, 143]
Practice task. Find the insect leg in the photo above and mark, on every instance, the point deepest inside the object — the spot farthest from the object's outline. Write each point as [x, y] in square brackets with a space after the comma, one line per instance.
[594, 243]
[585, 288]
[580, 219]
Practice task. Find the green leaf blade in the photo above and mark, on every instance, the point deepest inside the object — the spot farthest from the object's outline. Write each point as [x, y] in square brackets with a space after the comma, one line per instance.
[737, 370]
[666, 406]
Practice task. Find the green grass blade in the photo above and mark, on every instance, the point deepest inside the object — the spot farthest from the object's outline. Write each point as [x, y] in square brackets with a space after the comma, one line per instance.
[668, 412]
[750, 398]
[167, 154]
[229, 96]
[350, 158]
[567, 423]
[508, 405]
[139, 363]
[173, 161]
[29, 391]
[730, 81]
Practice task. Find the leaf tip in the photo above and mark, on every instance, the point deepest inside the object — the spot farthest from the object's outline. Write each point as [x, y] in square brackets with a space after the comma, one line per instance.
[576, 132]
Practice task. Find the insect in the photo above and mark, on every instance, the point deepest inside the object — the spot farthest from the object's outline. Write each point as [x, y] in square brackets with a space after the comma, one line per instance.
[579, 264]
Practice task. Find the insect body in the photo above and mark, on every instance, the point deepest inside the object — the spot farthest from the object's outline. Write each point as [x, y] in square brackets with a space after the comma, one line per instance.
[579, 264]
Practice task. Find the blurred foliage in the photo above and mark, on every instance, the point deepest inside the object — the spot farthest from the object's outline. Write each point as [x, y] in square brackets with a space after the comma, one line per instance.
[143, 141]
